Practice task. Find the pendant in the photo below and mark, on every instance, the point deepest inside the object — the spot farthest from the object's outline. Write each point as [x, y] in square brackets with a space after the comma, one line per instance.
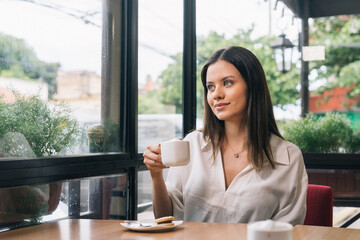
[236, 155]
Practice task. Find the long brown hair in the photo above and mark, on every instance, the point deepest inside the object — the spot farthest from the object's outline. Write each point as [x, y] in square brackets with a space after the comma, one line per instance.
[260, 120]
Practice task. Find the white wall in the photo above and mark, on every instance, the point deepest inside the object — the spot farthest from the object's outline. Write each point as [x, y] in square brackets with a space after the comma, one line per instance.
[26, 87]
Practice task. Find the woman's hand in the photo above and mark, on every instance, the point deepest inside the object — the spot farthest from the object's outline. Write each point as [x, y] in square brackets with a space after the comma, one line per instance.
[152, 159]
[161, 201]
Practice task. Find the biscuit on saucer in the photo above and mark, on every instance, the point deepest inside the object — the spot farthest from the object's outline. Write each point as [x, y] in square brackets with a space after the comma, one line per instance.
[165, 221]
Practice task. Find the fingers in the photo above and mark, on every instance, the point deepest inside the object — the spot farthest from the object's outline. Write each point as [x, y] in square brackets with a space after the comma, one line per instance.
[154, 148]
[152, 158]
[153, 164]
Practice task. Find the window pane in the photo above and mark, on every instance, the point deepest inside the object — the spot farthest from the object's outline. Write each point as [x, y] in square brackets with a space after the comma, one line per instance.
[335, 82]
[160, 71]
[160, 82]
[50, 76]
[101, 197]
[145, 209]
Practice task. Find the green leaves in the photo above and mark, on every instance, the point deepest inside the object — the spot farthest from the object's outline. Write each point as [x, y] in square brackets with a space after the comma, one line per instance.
[282, 86]
[149, 103]
[341, 36]
[171, 79]
[48, 127]
[331, 133]
[18, 60]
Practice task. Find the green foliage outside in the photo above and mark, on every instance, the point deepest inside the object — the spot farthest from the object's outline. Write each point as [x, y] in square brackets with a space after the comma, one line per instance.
[341, 37]
[171, 82]
[282, 86]
[334, 132]
[341, 68]
[18, 60]
[48, 127]
[149, 103]
[329, 134]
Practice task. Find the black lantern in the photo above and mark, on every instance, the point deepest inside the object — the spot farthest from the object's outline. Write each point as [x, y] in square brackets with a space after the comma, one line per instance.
[283, 53]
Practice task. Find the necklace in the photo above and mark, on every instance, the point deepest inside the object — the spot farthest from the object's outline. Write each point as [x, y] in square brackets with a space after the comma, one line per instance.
[236, 154]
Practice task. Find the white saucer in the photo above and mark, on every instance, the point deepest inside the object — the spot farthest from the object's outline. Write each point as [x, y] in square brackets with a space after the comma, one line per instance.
[154, 227]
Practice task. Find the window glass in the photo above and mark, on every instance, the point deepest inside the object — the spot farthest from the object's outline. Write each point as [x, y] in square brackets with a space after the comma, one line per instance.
[101, 197]
[50, 76]
[334, 82]
[145, 208]
[160, 82]
[333, 122]
[160, 71]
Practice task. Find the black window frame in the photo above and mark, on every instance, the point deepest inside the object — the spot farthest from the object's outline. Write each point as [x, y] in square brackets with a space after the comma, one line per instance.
[62, 168]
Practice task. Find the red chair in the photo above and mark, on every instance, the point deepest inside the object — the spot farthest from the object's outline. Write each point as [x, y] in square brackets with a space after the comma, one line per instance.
[319, 206]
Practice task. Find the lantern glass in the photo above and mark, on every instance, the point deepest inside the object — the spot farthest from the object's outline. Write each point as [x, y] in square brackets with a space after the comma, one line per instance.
[283, 53]
[278, 54]
[287, 59]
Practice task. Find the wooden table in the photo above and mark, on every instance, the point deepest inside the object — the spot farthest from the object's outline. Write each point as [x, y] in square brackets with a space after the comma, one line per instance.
[84, 229]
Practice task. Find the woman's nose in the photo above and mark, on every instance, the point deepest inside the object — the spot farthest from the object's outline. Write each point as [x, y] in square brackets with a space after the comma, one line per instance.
[218, 93]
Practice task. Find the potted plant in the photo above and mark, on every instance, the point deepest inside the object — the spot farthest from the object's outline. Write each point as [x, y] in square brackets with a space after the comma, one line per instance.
[30, 128]
[330, 148]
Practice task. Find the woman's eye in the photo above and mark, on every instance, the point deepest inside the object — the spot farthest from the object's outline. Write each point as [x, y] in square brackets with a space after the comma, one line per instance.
[227, 83]
[210, 87]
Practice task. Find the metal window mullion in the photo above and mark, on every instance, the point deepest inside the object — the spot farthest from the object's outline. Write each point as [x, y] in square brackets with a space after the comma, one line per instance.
[129, 91]
[74, 198]
[189, 67]
[304, 74]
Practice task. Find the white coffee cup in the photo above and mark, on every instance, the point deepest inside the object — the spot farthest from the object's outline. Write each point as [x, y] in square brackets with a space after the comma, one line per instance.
[175, 152]
[269, 230]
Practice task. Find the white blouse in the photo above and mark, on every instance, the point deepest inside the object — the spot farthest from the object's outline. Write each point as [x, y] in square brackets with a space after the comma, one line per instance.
[198, 192]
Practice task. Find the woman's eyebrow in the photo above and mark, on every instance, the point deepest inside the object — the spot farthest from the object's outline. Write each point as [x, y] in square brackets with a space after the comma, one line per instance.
[226, 77]
[222, 79]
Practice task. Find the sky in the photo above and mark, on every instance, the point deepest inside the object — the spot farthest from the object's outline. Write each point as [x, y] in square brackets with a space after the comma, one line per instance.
[54, 35]
[57, 34]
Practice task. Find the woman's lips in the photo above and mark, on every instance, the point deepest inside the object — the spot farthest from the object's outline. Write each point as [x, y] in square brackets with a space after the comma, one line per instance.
[220, 106]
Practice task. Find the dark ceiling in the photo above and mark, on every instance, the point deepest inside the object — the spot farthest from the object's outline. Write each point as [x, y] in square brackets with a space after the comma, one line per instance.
[324, 8]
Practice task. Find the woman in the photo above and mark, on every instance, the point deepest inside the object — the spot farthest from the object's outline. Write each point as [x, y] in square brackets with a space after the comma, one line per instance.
[241, 169]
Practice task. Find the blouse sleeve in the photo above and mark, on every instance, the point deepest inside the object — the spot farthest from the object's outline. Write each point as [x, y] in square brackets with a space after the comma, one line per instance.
[292, 207]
